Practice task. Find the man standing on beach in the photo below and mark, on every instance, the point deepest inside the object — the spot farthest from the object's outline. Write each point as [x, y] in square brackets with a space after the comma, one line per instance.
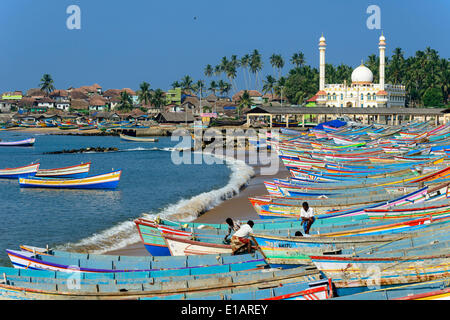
[307, 216]
[232, 226]
[241, 238]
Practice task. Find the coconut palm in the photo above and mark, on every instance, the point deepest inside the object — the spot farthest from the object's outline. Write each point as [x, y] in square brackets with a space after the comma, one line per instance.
[244, 101]
[244, 63]
[187, 84]
[157, 99]
[255, 65]
[213, 87]
[126, 103]
[269, 84]
[224, 87]
[175, 84]
[47, 83]
[298, 59]
[144, 94]
[209, 71]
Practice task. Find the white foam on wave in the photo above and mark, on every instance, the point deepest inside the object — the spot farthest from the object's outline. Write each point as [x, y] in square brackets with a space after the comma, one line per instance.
[125, 233]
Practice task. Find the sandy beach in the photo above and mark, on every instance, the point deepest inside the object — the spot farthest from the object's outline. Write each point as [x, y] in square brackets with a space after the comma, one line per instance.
[238, 207]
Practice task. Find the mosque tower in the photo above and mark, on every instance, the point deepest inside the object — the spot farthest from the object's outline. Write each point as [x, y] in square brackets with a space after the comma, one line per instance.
[382, 47]
[322, 46]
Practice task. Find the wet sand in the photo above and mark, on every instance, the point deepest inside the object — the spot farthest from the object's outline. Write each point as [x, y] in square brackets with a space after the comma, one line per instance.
[238, 207]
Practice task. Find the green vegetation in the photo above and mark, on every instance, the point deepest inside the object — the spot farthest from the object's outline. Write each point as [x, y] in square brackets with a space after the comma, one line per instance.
[47, 83]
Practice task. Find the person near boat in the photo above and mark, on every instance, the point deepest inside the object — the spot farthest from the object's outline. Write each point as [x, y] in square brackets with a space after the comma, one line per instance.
[232, 226]
[240, 239]
[307, 216]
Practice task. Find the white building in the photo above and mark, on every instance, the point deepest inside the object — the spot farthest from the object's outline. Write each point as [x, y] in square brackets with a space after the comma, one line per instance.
[362, 92]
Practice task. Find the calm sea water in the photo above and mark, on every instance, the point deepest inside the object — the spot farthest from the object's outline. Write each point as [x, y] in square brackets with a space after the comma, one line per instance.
[150, 183]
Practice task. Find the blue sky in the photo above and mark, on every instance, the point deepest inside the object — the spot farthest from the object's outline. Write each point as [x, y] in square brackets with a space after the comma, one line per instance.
[122, 43]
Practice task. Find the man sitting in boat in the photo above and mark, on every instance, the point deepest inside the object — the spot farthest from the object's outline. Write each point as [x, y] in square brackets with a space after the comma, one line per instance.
[241, 238]
[232, 226]
[307, 216]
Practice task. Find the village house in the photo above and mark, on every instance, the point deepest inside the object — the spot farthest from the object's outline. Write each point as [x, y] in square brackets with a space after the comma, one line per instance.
[174, 117]
[7, 105]
[97, 103]
[255, 96]
[15, 95]
[79, 105]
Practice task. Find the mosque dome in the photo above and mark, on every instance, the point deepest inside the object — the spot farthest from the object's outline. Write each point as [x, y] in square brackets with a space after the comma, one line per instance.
[362, 74]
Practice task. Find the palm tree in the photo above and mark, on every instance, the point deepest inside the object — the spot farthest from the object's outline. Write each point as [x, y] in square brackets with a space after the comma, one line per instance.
[47, 83]
[209, 71]
[198, 87]
[245, 62]
[126, 103]
[298, 59]
[245, 101]
[269, 84]
[224, 87]
[213, 87]
[157, 99]
[145, 94]
[255, 65]
[187, 84]
[175, 84]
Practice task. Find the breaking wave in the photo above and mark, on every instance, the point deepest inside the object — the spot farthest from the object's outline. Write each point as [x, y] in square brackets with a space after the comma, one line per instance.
[125, 233]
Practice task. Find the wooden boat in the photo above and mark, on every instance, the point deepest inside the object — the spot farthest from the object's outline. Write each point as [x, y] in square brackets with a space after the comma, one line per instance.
[32, 289]
[102, 181]
[70, 263]
[428, 290]
[21, 143]
[137, 139]
[78, 171]
[296, 250]
[317, 290]
[355, 274]
[63, 126]
[150, 231]
[14, 173]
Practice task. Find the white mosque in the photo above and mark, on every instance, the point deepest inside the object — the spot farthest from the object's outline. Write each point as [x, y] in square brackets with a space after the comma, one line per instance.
[362, 92]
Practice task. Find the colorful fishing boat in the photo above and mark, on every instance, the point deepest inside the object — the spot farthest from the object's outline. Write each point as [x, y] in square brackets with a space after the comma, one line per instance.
[77, 171]
[21, 143]
[20, 172]
[101, 181]
[137, 139]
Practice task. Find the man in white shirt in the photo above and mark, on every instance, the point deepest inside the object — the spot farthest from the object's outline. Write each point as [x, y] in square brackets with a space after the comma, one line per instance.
[241, 238]
[307, 216]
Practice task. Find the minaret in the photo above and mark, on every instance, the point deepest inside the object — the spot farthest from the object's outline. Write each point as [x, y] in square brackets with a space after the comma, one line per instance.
[382, 47]
[322, 46]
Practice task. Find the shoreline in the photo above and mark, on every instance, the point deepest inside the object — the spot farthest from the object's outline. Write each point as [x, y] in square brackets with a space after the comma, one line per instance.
[237, 207]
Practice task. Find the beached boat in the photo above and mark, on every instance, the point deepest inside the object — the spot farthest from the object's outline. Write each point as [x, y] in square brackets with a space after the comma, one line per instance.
[428, 290]
[14, 173]
[101, 181]
[21, 143]
[31, 288]
[173, 266]
[354, 274]
[78, 171]
[137, 139]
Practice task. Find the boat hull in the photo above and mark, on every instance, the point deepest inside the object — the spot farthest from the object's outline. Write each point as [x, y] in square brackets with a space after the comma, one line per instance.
[105, 181]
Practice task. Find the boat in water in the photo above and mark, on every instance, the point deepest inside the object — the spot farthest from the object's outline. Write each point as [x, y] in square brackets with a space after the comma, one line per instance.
[14, 173]
[137, 139]
[102, 181]
[78, 171]
[21, 143]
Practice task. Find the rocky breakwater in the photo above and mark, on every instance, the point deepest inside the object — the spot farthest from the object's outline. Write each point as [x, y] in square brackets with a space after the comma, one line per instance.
[84, 150]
